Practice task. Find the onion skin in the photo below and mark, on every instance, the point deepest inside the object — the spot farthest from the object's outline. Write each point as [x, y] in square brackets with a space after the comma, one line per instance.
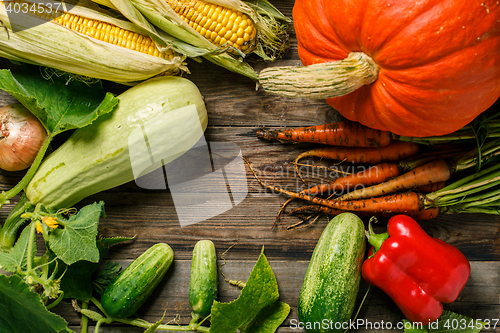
[21, 137]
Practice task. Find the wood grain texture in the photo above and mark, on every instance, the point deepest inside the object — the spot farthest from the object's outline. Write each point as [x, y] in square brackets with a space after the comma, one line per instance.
[171, 294]
[236, 109]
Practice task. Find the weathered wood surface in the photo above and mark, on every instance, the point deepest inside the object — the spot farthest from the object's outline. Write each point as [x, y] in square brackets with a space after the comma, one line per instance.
[482, 289]
[236, 110]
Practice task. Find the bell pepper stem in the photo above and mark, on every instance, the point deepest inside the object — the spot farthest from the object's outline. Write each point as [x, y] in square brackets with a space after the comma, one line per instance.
[374, 239]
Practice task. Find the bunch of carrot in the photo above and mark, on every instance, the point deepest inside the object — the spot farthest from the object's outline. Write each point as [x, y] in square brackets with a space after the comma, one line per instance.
[400, 178]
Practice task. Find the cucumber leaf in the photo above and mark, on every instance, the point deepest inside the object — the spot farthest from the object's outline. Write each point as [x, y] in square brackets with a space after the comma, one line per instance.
[59, 102]
[248, 312]
[105, 276]
[78, 280]
[449, 322]
[76, 239]
[269, 318]
[22, 310]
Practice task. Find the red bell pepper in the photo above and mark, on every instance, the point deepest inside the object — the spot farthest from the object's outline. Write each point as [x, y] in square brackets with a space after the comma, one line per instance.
[417, 271]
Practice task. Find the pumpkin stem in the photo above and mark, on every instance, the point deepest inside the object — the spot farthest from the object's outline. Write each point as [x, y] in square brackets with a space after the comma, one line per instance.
[321, 81]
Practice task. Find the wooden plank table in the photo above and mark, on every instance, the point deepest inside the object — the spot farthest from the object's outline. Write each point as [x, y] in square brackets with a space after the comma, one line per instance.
[236, 110]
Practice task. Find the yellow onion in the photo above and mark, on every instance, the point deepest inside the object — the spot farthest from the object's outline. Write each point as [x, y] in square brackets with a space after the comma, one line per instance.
[21, 137]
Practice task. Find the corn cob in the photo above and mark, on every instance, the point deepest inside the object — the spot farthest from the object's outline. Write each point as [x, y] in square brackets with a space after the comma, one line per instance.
[112, 34]
[96, 36]
[222, 26]
[255, 27]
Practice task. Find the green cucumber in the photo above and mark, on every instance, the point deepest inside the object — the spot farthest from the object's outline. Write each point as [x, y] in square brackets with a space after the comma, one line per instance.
[331, 283]
[124, 296]
[203, 282]
[158, 119]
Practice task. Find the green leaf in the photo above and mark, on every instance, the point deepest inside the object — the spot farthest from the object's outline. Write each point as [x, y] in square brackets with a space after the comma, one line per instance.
[152, 328]
[18, 257]
[244, 313]
[59, 102]
[449, 322]
[77, 282]
[76, 239]
[22, 310]
[107, 242]
[269, 318]
[105, 276]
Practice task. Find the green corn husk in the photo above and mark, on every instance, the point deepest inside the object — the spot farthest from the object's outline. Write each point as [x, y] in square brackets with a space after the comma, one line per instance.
[53, 45]
[156, 15]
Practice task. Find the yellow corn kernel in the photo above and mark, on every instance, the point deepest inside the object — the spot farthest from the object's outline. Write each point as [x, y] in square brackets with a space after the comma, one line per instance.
[220, 25]
[212, 26]
[103, 31]
[240, 33]
[203, 21]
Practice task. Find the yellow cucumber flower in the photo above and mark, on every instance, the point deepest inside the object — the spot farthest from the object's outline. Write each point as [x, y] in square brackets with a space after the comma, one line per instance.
[50, 221]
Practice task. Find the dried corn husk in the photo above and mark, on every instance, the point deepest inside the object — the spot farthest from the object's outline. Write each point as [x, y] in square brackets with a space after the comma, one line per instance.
[53, 45]
[272, 36]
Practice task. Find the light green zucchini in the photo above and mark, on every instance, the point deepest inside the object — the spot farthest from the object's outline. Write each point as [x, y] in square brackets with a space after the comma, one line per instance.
[203, 283]
[124, 296]
[331, 283]
[161, 119]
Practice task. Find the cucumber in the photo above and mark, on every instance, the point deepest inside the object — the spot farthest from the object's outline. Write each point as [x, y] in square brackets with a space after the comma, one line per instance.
[331, 283]
[158, 119]
[124, 296]
[203, 282]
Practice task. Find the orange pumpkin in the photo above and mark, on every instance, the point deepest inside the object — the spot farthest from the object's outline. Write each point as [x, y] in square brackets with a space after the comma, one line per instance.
[438, 61]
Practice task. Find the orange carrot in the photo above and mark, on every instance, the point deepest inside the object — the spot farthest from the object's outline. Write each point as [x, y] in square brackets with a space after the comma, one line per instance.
[433, 172]
[395, 203]
[380, 173]
[374, 174]
[391, 153]
[342, 133]
[433, 187]
[427, 214]
[422, 214]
